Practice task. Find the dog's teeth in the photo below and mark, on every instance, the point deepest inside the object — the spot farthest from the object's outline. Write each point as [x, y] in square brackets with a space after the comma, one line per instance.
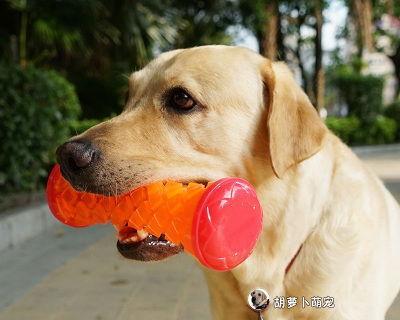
[131, 239]
[142, 234]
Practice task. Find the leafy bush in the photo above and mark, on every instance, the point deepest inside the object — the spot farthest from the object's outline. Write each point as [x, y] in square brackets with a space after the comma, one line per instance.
[36, 108]
[383, 130]
[100, 96]
[352, 131]
[79, 126]
[361, 93]
[393, 111]
[345, 128]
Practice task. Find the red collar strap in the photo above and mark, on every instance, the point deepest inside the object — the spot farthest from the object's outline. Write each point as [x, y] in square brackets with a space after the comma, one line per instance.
[292, 261]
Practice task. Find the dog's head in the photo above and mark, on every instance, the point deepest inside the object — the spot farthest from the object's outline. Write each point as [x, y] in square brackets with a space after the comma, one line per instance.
[259, 299]
[197, 114]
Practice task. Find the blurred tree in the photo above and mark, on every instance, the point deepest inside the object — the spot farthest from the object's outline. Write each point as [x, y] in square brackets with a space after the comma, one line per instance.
[269, 43]
[387, 15]
[377, 20]
[361, 12]
[70, 36]
[202, 22]
[21, 7]
[263, 19]
[389, 7]
[295, 18]
[269, 20]
[94, 42]
[142, 28]
[302, 15]
[124, 29]
[319, 75]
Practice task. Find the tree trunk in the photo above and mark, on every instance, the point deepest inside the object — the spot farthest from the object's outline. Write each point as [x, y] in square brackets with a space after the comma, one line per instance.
[389, 7]
[396, 61]
[319, 76]
[270, 41]
[14, 48]
[363, 16]
[396, 56]
[281, 55]
[22, 38]
[305, 83]
[299, 43]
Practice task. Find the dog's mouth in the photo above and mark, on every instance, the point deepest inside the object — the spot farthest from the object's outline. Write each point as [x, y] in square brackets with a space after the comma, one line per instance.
[140, 245]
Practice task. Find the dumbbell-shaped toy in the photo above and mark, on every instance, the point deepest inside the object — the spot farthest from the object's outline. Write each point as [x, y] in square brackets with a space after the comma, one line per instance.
[219, 223]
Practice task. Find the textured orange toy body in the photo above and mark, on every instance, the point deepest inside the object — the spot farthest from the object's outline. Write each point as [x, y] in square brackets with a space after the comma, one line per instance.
[159, 208]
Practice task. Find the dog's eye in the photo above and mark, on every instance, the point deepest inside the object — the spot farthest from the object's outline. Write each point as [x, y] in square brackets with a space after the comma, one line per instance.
[179, 100]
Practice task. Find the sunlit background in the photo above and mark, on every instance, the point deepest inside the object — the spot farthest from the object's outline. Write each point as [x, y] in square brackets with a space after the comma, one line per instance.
[64, 63]
[64, 67]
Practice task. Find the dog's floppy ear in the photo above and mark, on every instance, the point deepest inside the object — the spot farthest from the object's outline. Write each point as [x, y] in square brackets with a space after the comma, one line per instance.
[295, 129]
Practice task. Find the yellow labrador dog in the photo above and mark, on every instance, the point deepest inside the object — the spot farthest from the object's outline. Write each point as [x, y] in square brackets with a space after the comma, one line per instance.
[331, 229]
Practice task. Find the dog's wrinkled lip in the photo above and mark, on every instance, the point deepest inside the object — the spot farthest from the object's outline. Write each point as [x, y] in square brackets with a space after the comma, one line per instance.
[150, 248]
[116, 189]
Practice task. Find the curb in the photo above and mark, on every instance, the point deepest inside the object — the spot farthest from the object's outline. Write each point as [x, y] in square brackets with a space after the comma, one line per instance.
[20, 225]
[366, 150]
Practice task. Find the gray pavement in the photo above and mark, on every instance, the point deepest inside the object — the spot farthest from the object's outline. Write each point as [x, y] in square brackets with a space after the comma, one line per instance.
[27, 264]
[98, 284]
[77, 273]
[394, 186]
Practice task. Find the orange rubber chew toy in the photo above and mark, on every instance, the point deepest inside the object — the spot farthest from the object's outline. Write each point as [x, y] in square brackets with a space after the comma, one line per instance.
[218, 224]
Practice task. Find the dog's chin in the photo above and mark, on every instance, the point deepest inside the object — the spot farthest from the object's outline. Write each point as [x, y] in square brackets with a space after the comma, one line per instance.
[145, 248]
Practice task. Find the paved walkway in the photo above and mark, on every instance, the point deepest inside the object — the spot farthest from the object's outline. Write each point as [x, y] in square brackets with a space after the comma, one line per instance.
[98, 284]
[78, 274]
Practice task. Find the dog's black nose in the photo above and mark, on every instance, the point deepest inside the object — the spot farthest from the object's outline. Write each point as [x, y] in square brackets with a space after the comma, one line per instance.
[76, 155]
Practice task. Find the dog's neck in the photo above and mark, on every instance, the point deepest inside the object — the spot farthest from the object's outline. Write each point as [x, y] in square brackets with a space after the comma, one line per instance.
[290, 215]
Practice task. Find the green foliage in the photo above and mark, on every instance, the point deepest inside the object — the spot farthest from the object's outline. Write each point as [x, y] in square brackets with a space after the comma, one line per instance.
[353, 132]
[367, 122]
[346, 128]
[361, 93]
[80, 126]
[100, 96]
[93, 42]
[203, 22]
[383, 130]
[143, 26]
[393, 111]
[36, 107]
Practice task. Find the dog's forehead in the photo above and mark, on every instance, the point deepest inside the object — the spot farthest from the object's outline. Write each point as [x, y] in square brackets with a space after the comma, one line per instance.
[211, 62]
[211, 73]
